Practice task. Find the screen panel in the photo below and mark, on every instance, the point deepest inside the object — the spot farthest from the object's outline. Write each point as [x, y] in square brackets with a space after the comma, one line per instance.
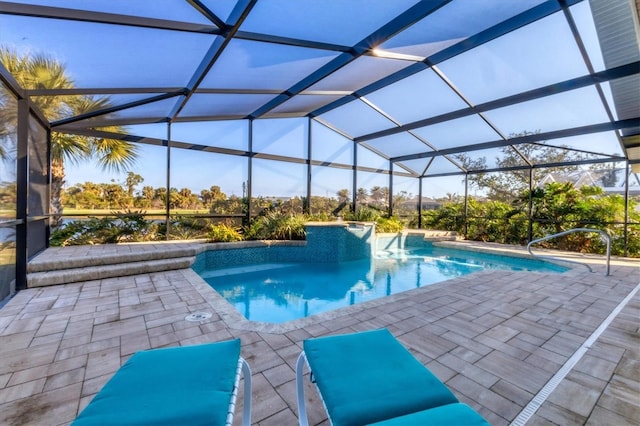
[533, 56]
[360, 73]
[357, 118]
[460, 132]
[211, 105]
[399, 144]
[372, 190]
[233, 134]
[38, 200]
[8, 155]
[7, 261]
[331, 191]
[208, 182]
[368, 158]
[309, 19]
[417, 97]
[247, 64]
[406, 193]
[329, 146]
[453, 23]
[38, 192]
[158, 58]
[175, 10]
[550, 113]
[285, 136]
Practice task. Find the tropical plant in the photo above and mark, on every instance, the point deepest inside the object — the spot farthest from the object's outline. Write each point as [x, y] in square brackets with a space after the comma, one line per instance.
[223, 233]
[361, 195]
[555, 208]
[126, 226]
[344, 196]
[186, 228]
[450, 217]
[133, 226]
[363, 214]
[40, 71]
[389, 224]
[276, 225]
[8, 197]
[80, 232]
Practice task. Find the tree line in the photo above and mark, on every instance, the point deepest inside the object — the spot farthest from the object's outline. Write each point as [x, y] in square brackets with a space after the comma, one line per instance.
[130, 195]
[115, 196]
[555, 207]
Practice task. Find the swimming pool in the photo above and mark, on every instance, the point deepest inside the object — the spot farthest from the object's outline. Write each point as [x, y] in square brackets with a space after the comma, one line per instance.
[281, 292]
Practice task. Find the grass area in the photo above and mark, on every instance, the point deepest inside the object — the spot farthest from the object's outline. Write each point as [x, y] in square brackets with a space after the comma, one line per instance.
[154, 212]
[8, 214]
[7, 257]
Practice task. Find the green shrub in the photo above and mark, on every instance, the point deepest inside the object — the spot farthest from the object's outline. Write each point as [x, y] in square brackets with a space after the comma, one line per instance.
[389, 224]
[556, 207]
[187, 228]
[71, 233]
[132, 226]
[321, 217]
[223, 233]
[127, 226]
[363, 214]
[276, 225]
[449, 217]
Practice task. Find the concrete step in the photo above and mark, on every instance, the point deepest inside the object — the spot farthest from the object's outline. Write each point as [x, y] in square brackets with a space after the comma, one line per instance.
[62, 258]
[61, 265]
[97, 272]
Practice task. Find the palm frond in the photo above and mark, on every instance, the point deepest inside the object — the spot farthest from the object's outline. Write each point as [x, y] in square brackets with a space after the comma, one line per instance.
[85, 104]
[40, 71]
[115, 154]
[46, 72]
[71, 148]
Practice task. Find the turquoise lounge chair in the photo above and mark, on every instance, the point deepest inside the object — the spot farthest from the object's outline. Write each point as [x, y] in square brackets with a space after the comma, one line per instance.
[370, 378]
[183, 385]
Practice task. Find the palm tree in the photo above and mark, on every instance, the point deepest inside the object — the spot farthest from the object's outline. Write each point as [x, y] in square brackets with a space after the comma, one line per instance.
[343, 195]
[39, 71]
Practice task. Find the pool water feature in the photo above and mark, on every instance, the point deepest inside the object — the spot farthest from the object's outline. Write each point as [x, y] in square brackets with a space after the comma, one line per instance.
[281, 292]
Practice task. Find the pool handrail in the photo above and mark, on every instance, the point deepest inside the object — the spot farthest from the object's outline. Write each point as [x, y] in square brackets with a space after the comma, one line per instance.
[602, 233]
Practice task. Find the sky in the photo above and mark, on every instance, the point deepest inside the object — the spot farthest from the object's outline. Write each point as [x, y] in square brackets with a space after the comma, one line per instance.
[537, 55]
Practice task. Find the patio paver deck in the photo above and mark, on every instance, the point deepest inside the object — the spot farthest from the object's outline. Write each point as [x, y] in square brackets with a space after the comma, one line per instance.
[494, 337]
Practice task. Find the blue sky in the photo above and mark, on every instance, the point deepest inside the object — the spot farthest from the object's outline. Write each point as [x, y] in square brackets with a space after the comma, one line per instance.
[539, 54]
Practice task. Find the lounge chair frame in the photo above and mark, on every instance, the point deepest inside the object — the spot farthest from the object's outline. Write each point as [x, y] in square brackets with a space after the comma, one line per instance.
[245, 370]
[302, 406]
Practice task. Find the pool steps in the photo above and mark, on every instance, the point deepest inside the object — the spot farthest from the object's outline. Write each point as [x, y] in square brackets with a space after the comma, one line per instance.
[59, 266]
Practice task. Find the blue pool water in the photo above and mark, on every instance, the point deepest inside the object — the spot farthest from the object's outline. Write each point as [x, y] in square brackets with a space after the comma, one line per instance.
[280, 292]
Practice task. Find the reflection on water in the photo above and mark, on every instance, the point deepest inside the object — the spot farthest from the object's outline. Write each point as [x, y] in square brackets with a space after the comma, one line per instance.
[283, 292]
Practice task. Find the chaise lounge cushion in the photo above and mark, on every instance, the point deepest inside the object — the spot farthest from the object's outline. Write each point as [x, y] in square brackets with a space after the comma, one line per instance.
[447, 415]
[378, 380]
[182, 385]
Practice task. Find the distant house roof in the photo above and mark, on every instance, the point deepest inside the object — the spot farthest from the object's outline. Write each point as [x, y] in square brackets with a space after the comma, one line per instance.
[578, 179]
[582, 178]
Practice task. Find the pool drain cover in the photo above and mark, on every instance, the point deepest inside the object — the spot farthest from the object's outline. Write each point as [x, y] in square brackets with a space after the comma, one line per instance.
[198, 316]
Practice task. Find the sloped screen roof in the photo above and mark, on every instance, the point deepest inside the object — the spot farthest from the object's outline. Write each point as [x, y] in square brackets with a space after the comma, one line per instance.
[408, 80]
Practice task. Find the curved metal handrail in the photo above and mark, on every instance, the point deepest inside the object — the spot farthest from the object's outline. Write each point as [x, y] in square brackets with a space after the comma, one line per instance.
[602, 233]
